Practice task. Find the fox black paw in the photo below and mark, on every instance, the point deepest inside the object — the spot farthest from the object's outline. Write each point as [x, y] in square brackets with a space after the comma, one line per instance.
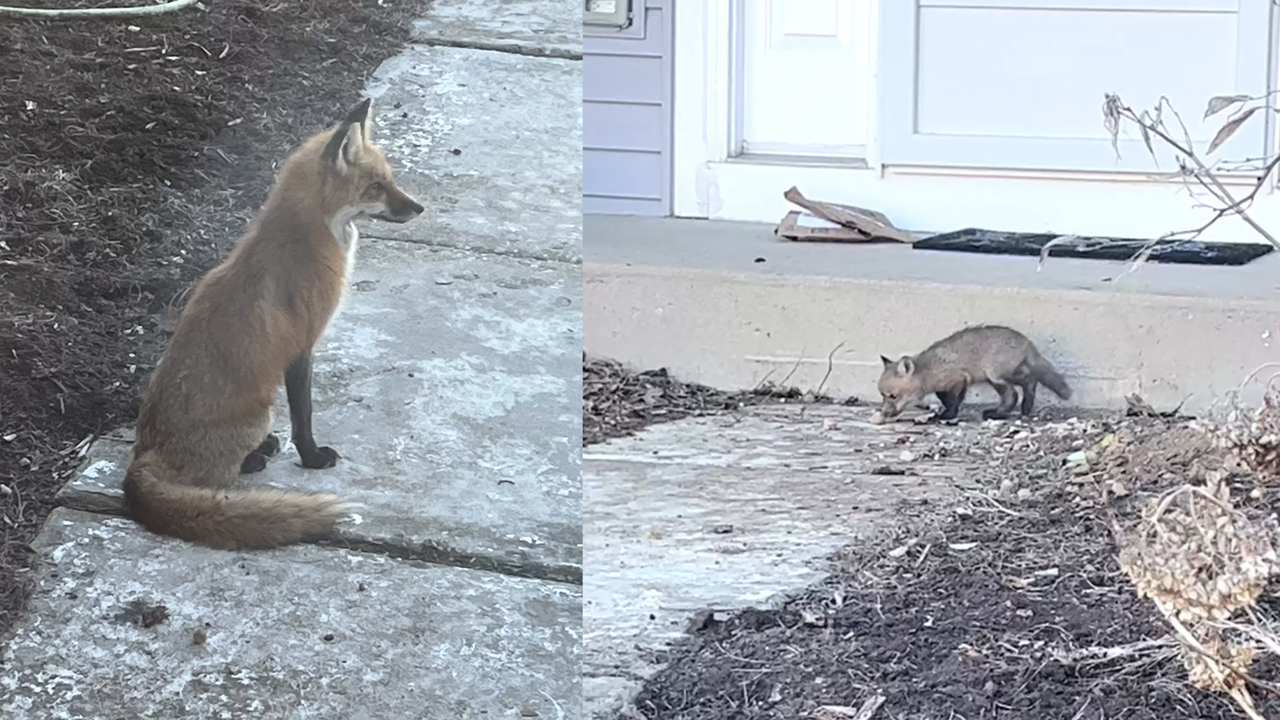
[323, 457]
[254, 462]
[269, 447]
[992, 414]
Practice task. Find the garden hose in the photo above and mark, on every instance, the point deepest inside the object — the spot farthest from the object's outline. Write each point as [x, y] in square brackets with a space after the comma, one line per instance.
[108, 12]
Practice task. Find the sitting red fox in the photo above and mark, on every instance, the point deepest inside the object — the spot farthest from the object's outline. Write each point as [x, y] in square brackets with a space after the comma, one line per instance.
[992, 354]
[254, 319]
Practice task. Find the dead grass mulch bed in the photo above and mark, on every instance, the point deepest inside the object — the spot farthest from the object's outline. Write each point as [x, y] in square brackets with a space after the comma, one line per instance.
[617, 402]
[1013, 606]
[135, 151]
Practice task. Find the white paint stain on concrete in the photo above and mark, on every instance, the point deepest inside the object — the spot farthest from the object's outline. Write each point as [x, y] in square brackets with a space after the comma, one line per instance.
[508, 334]
[99, 468]
[489, 393]
[353, 341]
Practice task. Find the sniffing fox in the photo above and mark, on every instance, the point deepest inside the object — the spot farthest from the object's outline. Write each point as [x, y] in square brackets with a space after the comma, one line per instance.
[250, 322]
[999, 356]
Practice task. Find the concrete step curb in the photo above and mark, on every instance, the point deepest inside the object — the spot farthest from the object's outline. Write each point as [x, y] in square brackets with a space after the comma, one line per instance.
[735, 330]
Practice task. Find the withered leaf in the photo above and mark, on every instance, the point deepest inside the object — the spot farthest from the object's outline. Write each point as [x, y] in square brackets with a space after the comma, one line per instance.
[1218, 103]
[1226, 131]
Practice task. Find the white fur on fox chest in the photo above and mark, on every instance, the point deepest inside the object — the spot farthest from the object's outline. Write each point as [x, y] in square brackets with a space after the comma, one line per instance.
[348, 237]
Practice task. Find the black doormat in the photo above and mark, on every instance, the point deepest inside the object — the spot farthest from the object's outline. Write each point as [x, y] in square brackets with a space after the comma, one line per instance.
[1184, 252]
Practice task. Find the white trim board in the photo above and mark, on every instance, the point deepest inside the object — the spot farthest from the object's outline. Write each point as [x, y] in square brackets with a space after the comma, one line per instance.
[929, 201]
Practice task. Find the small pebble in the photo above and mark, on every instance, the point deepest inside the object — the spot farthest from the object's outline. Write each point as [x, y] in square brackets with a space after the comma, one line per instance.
[1006, 487]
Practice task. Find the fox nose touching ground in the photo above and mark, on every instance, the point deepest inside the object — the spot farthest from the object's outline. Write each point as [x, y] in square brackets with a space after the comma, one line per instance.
[250, 323]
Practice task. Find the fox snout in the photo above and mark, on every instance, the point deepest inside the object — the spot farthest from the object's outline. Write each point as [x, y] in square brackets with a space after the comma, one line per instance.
[891, 408]
[400, 208]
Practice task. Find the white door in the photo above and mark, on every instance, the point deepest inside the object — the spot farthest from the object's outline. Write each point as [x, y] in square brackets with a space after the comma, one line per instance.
[806, 77]
[1020, 83]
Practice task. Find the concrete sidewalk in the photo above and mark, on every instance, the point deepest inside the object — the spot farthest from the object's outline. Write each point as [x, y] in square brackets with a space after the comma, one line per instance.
[450, 384]
[733, 511]
[747, 306]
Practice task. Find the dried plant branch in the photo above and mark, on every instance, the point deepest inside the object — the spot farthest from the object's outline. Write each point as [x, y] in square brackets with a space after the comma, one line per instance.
[1151, 123]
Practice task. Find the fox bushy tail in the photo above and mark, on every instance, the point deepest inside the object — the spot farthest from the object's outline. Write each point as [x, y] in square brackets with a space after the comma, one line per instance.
[1049, 376]
[220, 518]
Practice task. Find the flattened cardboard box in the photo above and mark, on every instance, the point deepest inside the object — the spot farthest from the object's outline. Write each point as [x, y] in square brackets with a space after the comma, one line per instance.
[832, 222]
[803, 227]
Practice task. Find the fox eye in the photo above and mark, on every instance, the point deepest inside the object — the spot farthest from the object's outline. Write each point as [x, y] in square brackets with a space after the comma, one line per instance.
[376, 187]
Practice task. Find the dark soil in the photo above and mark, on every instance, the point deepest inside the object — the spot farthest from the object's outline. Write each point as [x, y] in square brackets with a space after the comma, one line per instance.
[617, 402]
[998, 611]
[134, 153]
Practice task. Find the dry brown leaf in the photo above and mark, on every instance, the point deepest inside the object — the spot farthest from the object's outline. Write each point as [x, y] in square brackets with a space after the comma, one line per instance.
[1218, 103]
[1229, 129]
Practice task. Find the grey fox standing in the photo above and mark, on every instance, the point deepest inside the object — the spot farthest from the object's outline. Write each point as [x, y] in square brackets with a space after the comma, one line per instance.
[999, 356]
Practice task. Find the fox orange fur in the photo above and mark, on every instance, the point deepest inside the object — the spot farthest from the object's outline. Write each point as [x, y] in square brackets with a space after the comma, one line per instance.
[250, 322]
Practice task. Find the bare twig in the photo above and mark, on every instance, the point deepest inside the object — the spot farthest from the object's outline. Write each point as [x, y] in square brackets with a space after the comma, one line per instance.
[1152, 124]
[830, 362]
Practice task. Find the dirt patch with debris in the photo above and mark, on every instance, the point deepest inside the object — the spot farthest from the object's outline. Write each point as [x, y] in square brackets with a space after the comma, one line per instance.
[1012, 605]
[135, 151]
[617, 402]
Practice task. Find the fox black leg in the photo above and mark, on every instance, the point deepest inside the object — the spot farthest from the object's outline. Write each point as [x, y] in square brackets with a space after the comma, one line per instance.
[951, 400]
[1008, 398]
[297, 384]
[1028, 398]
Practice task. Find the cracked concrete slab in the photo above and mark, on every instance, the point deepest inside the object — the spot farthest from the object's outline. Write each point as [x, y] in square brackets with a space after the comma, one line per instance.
[491, 144]
[530, 27]
[727, 512]
[300, 632]
[451, 386]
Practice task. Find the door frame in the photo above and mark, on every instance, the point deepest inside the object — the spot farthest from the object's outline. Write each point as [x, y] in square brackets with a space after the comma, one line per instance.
[700, 129]
[707, 91]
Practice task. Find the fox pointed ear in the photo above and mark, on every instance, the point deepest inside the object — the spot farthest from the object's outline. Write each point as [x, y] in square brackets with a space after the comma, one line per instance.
[362, 115]
[906, 366]
[344, 147]
[887, 362]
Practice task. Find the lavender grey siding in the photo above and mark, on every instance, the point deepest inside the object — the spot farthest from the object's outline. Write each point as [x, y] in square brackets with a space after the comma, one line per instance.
[626, 114]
